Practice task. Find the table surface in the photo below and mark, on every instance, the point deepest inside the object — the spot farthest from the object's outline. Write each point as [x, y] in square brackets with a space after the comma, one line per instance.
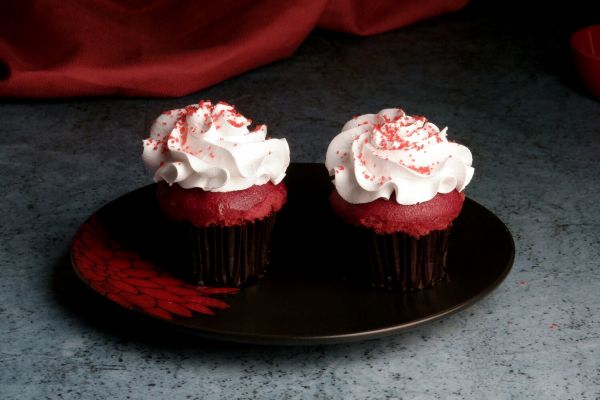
[504, 88]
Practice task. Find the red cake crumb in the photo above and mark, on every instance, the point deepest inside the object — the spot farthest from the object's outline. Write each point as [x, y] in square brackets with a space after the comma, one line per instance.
[203, 208]
[387, 216]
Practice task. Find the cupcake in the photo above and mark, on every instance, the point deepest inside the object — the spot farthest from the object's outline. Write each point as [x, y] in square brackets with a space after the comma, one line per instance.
[400, 181]
[221, 184]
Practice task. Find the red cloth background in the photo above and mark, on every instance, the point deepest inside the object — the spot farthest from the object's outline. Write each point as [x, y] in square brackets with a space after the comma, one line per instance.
[165, 48]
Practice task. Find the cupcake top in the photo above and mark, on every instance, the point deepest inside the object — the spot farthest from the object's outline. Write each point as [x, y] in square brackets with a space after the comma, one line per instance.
[377, 155]
[210, 146]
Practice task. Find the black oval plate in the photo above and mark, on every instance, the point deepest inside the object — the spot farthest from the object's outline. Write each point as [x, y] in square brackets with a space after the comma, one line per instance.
[120, 251]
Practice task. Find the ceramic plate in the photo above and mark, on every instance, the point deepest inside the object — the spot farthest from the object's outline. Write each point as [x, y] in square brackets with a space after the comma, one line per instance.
[122, 252]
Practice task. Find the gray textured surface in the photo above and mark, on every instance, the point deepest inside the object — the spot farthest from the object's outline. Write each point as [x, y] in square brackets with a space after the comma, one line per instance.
[506, 93]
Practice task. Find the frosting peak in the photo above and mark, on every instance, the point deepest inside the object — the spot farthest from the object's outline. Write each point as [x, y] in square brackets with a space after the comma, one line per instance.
[377, 155]
[210, 146]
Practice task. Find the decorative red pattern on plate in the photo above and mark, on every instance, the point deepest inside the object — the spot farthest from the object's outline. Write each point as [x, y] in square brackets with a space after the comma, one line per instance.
[125, 278]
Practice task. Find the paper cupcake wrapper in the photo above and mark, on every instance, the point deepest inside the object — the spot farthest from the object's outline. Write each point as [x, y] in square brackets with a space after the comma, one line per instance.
[399, 261]
[229, 256]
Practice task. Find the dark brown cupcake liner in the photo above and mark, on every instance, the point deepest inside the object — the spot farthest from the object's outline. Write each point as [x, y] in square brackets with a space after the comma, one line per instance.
[231, 256]
[400, 262]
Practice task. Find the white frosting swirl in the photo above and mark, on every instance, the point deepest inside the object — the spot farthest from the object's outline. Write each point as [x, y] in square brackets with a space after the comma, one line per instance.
[376, 155]
[210, 147]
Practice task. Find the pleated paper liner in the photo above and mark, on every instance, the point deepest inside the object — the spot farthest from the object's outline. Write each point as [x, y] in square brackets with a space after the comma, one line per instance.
[400, 262]
[227, 256]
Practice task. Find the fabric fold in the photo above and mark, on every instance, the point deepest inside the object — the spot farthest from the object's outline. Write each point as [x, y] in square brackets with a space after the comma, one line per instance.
[161, 48]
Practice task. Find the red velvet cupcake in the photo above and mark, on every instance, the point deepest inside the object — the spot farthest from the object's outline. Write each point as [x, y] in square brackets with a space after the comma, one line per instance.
[401, 182]
[221, 183]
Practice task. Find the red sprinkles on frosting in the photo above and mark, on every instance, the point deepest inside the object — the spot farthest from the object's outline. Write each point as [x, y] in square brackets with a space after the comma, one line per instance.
[211, 114]
[237, 124]
[401, 132]
[421, 170]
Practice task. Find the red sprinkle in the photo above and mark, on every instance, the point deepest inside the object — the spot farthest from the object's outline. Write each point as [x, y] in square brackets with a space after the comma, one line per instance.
[421, 170]
[235, 123]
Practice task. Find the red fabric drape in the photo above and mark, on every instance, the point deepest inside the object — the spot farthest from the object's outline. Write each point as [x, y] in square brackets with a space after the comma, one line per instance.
[165, 48]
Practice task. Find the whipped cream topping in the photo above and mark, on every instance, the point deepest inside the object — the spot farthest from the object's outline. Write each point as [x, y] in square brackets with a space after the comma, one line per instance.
[377, 155]
[209, 146]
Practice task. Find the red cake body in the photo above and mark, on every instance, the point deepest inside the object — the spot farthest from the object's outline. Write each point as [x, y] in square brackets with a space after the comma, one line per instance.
[203, 208]
[386, 216]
